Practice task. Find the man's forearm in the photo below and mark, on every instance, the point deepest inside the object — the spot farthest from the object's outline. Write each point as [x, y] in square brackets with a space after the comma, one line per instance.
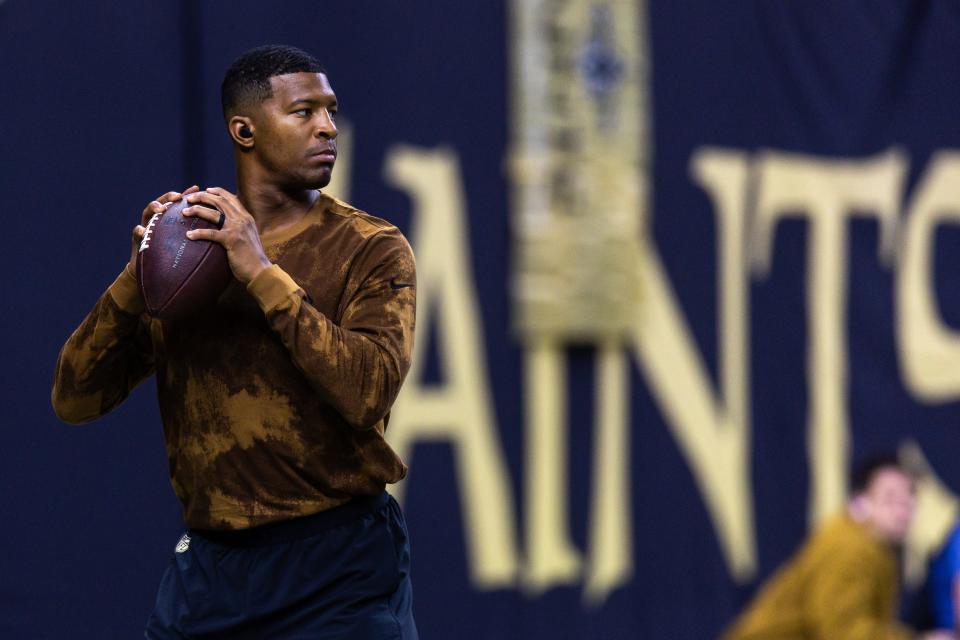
[357, 368]
[105, 357]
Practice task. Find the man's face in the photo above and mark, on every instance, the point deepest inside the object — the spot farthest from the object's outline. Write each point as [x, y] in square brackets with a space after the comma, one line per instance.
[890, 500]
[295, 132]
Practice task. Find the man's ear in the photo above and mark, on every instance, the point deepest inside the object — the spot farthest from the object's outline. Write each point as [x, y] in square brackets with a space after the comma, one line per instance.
[241, 131]
[859, 508]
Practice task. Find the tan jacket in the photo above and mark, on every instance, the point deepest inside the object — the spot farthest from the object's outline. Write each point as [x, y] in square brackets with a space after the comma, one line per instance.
[841, 585]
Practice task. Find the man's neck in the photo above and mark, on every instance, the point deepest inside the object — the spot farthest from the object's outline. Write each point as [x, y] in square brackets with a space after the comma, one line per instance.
[272, 207]
[860, 518]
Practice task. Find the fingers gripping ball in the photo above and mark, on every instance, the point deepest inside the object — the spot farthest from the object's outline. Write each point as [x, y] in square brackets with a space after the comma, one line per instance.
[179, 276]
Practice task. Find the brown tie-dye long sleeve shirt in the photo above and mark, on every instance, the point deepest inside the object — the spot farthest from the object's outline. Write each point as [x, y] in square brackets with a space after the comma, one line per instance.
[275, 401]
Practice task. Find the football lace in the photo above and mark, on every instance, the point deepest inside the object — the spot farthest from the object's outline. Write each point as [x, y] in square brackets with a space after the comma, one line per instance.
[146, 234]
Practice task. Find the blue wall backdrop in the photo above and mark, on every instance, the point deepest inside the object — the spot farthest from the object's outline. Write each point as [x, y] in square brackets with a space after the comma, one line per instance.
[804, 191]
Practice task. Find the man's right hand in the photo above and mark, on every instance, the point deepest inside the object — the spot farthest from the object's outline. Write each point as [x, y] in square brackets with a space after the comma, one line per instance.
[938, 635]
[157, 206]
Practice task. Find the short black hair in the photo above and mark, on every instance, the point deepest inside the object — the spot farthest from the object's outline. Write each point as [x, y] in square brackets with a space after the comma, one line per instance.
[247, 81]
[865, 470]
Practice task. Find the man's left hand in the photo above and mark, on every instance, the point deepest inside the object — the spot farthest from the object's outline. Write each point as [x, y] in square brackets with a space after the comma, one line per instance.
[239, 235]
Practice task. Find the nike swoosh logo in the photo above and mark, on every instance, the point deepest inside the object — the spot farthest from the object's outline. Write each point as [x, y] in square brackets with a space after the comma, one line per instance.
[398, 285]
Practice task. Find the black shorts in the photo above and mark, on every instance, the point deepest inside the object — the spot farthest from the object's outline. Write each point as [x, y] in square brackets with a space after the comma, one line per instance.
[340, 574]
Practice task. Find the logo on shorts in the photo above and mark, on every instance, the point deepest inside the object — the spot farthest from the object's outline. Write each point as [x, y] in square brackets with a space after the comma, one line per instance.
[183, 545]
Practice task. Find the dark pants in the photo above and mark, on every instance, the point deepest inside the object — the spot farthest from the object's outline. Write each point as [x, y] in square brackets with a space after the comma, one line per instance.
[341, 574]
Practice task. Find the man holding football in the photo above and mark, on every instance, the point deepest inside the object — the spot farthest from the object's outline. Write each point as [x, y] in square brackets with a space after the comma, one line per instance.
[276, 396]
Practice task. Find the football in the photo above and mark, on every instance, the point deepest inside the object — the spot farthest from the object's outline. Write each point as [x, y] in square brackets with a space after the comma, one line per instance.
[179, 276]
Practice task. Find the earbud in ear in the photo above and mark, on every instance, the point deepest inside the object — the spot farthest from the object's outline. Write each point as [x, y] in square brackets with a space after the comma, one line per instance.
[245, 132]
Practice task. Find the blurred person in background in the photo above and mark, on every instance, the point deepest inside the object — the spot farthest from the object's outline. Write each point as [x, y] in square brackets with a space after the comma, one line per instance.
[843, 583]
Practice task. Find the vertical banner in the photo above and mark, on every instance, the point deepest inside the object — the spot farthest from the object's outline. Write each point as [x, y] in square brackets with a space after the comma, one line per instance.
[579, 160]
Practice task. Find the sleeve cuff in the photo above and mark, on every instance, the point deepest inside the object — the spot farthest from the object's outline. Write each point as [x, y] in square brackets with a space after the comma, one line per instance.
[272, 286]
[125, 292]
